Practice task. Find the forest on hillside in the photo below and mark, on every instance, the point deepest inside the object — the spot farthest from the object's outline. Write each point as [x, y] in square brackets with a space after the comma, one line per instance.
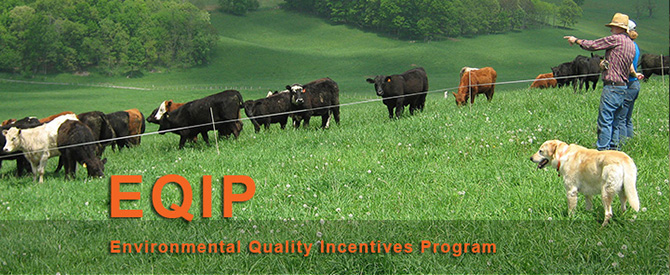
[111, 36]
[429, 19]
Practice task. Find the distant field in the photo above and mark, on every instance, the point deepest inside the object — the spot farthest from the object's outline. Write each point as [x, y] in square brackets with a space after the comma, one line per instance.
[447, 174]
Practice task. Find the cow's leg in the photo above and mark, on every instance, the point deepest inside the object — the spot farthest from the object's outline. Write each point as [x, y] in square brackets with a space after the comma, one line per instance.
[236, 130]
[70, 164]
[33, 167]
[205, 136]
[60, 163]
[266, 123]
[21, 165]
[41, 166]
[475, 92]
[399, 107]
[325, 120]
[336, 114]
[182, 141]
[282, 123]
[296, 121]
[306, 123]
[390, 108]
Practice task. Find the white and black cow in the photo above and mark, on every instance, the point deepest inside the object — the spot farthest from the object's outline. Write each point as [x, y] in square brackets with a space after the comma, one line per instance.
[195, 117]
[272, 109]
[22, 163]
[317, 98]
[38, 143]
[400, 90]
[76, 143]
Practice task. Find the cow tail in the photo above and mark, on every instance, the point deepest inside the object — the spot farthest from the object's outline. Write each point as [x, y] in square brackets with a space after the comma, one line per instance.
[143, 124]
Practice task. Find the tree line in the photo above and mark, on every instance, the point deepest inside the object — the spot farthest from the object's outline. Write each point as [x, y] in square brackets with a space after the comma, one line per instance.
[430, 19]
[112, 36]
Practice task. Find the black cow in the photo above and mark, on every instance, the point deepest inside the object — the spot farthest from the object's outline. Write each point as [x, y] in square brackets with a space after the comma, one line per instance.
[586, 69]
[129, 124]
[100, 126]
[22, 163]
[563, 74]
[651, 64]
[102, 130]
[400, 90]
[76, 143]
[272, 109]
[195, 117]
[318, 98]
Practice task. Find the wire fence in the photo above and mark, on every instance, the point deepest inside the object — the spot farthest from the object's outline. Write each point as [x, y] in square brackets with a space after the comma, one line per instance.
[214, 123]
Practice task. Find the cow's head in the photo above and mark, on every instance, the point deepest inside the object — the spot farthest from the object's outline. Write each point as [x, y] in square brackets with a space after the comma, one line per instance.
[461, 98]
[12, 139]
[152, 117]
[96, 167]
[249, 108]
[297, 94]
[382, 83]
[162, 109]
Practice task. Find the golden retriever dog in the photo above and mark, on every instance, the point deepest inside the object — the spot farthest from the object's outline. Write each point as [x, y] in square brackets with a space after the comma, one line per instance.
[591, 172]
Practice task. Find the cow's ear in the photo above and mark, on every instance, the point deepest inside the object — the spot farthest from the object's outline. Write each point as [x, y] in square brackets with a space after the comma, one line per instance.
[388, 79]
[288, 87]
[169, 103]
[453, 93]
[304, 90]
[370, 80]
[4, 132]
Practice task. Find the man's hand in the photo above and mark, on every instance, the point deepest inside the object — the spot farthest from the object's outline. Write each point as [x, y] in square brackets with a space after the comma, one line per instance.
[571, 39]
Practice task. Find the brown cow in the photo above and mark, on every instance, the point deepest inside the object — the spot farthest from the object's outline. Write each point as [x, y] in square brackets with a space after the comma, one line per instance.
[165, 107]
[544, 81]
[476, 82]
[127, 123]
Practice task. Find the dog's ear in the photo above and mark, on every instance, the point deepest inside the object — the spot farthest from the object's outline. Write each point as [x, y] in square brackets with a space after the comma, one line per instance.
[551, 147]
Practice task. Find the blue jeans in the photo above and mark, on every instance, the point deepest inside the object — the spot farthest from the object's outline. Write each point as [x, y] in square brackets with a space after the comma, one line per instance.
[625, 126]
[611, 100]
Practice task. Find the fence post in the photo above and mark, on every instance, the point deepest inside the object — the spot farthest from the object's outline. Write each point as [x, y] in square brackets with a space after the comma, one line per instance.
[216, 137]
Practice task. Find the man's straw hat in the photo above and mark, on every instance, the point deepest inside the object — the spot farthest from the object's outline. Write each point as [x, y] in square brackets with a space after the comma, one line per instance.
[619, 20]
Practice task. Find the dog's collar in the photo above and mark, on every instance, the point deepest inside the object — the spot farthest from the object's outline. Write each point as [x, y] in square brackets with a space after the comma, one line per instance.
[558, 157]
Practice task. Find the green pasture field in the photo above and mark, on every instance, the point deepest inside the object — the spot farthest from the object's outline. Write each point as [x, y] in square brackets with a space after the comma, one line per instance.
[446, 174]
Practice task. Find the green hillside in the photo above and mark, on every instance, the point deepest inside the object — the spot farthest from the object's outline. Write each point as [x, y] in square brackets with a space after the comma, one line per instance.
[448, 174]
[271, 48]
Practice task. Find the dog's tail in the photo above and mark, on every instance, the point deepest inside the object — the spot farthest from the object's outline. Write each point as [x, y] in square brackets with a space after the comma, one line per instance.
[629, 179]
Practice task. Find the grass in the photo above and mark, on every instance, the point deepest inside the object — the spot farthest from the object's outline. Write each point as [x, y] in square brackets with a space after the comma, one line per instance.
[447, 174]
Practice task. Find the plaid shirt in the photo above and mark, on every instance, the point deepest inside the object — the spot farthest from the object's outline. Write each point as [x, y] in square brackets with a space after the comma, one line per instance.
[619, 51]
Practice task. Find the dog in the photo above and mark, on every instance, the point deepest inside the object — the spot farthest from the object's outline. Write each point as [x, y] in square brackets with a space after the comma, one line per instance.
[590, 172]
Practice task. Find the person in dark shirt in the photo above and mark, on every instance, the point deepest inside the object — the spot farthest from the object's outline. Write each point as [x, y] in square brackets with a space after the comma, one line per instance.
[619, 54]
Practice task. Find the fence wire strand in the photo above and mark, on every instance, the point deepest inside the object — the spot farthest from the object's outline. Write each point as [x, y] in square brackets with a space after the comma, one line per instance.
[213, 123]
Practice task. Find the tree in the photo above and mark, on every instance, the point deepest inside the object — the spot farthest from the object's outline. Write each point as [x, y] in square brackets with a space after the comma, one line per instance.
[651, 5]
[239, 7]
[569, 13]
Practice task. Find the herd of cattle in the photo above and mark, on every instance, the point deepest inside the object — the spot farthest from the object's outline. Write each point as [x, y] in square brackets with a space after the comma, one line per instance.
[82, 138]
[587, 70]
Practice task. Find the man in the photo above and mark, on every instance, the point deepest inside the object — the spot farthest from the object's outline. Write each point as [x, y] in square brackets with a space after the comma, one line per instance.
[619, 53]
